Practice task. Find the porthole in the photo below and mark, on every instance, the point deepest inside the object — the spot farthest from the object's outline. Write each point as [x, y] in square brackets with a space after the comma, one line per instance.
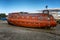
[22, 16]
[27, 16]
[33, 17]
[40, 18]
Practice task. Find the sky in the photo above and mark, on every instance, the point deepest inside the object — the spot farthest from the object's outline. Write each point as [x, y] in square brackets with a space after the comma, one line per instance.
[9, 6]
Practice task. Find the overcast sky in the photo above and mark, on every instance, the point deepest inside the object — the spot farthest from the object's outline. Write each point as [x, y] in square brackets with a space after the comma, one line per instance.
[8, 6]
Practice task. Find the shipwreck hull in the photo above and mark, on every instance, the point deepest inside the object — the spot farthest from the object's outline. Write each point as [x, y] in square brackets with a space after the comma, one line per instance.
[32, 24]
[31, 20]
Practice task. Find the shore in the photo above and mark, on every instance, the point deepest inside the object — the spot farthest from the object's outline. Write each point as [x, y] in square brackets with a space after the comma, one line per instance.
[10, 32]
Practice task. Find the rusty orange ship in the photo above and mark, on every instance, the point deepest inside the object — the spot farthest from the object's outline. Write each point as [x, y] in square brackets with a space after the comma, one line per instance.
[43, 19]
